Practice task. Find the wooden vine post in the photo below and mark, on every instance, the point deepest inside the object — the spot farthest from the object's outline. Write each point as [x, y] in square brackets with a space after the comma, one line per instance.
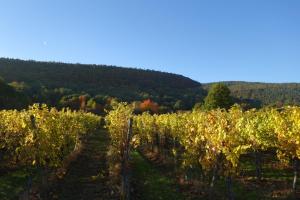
[296, 165]
[125, 182]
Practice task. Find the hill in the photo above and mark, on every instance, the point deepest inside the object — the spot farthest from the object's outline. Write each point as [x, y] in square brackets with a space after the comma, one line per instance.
[60, 84]
[50, 81]
[262, 94]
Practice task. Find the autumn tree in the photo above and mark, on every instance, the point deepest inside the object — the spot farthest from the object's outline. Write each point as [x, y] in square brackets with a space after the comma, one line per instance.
[148, 105]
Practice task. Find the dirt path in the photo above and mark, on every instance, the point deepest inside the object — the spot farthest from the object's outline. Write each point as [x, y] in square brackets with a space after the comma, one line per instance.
[87, 175]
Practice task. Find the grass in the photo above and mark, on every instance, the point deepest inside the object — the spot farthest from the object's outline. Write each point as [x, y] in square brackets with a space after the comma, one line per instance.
[151, 183]
[276, 183]
[86, 176]
[13, 183]
[239, 191]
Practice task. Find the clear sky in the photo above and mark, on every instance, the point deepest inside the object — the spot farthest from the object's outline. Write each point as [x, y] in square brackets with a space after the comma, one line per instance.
[206, 40]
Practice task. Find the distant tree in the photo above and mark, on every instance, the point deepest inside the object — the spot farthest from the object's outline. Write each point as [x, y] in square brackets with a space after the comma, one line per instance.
[149, 105]
[218, 97]
[164, 109]
[198, 107]
[101, 99]
[110, 103]
[70, 101]
[179, 105]
[91, 104]
[82, 101]
[19, 86]
[144, 95]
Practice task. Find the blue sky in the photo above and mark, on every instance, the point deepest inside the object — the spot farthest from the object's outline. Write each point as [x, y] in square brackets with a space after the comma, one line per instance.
[206, 40]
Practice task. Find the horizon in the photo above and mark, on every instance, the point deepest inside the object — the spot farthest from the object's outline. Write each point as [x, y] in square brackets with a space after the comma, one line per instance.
[204, 41]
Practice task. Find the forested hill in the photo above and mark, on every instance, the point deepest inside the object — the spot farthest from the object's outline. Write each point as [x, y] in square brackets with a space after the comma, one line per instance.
[265, 93]
[73, 75]
[127, 84]
[60, 84]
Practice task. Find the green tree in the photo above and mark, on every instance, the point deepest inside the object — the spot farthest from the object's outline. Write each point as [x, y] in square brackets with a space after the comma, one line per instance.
[92, 104]
[198, 106]
[179, 105]
[218, 97]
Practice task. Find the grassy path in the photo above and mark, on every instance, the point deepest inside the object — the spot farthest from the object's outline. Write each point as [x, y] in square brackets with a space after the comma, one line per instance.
[86, 178]
[151, 184]
[12, 183]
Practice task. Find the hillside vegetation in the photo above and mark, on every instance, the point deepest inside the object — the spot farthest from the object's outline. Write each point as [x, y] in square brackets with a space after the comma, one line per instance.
[10, 98]
[263, 94]
[49, 82]
[61, 85]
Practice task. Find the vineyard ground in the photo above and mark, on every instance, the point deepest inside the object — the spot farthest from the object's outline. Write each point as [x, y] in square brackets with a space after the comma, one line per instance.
[13, 182]
[276, 182]
[88, 174]
[150, 183]
[87, 177]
